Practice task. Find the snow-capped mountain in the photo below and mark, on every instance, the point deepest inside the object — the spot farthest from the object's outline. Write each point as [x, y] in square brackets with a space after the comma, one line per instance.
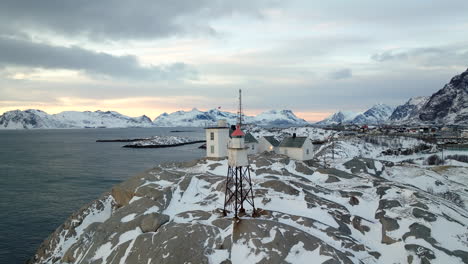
[277, 118]
[28, 119]
[377, 114]
[449, 105]
[192, 118]
[101, 119]
[197, 118]
[37, 119]
[340, 117]
[411, 108]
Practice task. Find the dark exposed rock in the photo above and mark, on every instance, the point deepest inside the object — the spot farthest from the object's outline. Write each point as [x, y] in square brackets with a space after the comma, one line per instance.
[388, 224]
[285, 238]
[353, 200]
[430, 217]
[357, 224]
[387, 204]
[152, 222]
[420, 205]
[337, 173]
[214, 166]
[280, 186]
[165, 246]
[302, 168]
[382, 190]
[332, 179]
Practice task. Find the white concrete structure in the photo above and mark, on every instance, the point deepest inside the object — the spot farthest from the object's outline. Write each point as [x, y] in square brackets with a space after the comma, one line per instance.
[217, 140]
[251, 143]
[298, 148]
[268, 143]
[237, 151]
[464, 133]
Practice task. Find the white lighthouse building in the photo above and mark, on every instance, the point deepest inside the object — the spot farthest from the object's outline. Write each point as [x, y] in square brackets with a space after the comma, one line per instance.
[217, 139]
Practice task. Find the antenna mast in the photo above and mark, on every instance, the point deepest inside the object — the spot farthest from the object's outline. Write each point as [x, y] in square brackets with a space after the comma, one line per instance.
[239, 121]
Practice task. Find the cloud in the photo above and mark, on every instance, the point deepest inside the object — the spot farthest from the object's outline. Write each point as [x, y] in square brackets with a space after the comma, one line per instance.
[108, 19]
[25, 53]
[341, 74]
[450, 55]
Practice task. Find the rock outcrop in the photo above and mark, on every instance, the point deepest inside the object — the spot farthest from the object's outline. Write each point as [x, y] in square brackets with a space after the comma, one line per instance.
[173, 214]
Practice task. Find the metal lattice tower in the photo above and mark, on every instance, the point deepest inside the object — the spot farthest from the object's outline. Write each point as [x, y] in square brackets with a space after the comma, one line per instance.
[238, 181]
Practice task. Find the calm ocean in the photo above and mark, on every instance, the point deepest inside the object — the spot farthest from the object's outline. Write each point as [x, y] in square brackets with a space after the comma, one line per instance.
[46, 175]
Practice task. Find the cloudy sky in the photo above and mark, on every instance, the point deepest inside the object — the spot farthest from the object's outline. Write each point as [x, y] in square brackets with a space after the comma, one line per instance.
[152, 56]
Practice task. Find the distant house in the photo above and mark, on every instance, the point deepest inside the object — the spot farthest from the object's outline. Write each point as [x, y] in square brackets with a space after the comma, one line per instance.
[268, 143]
[298, 148]
[251, 143]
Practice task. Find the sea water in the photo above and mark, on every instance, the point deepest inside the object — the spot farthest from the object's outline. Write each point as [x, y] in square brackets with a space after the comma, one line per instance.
[46, 175]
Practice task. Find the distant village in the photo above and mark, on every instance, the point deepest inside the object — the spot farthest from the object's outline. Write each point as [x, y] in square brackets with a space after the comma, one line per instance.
[449, 135]
[300, 147]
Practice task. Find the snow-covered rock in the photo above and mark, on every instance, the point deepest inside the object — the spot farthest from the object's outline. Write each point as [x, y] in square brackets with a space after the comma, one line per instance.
[360, 211]
[411, 108]
[36, 119]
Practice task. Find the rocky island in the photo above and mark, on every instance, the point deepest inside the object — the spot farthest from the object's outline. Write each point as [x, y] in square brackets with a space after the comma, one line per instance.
[360, 210]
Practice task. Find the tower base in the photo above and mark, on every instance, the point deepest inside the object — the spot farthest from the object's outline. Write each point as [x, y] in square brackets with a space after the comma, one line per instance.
[238, 191]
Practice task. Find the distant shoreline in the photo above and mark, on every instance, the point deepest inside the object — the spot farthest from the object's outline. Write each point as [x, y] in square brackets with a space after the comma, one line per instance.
[164, 146]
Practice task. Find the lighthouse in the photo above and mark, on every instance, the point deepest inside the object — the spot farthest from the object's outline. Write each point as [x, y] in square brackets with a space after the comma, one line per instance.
[238, 181]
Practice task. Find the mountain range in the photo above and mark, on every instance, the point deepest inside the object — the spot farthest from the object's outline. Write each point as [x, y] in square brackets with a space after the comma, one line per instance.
[37, 119]
[448, 106]
[377, 114]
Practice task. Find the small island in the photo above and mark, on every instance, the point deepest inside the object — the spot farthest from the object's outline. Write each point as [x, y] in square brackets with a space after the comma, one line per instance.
[162, 142]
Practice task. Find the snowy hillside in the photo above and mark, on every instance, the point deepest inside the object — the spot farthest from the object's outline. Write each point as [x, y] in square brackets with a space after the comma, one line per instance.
[359, 210]
[36, 119]
[411, 108]
[197, 118]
